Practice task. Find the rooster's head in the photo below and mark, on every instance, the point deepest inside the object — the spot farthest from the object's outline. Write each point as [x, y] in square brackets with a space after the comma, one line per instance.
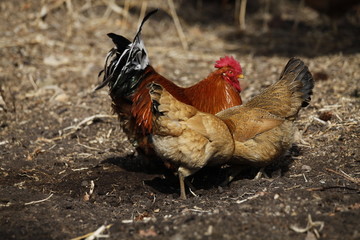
[232, 71]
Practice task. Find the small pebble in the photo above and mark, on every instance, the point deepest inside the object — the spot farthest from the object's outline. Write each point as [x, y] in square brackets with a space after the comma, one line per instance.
[326, 116]
[62, 97]
[84, 183]
[306, 168]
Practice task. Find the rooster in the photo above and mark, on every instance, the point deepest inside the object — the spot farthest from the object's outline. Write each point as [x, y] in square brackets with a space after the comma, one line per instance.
[127, 72]
[254, 134]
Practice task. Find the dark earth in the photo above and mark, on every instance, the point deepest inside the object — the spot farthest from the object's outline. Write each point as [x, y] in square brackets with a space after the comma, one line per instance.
[67, 170]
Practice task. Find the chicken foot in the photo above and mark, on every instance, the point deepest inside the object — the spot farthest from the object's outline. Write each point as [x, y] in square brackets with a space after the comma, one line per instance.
[261, 173]
[235, 171]
[185, 182]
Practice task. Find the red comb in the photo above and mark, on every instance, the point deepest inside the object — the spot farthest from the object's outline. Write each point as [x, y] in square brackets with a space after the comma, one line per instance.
[228, 61]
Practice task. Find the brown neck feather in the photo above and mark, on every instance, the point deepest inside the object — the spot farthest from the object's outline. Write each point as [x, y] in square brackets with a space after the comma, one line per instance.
[213, 94]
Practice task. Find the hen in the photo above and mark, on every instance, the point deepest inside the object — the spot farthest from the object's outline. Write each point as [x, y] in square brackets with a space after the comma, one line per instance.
[127, 72]
[263, 128]
[186, 138]
[255, 134]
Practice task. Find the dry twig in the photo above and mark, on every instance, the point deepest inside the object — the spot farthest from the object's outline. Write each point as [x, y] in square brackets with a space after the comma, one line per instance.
[34, 153]
[242, 15]
[97, 234]
[345, 175]
[311, 226]
[177, 24]
[39, 201]
[249, 198]
[73, 128]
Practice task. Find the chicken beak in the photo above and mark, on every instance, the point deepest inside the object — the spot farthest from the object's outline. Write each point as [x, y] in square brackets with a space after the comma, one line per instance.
[240, 76]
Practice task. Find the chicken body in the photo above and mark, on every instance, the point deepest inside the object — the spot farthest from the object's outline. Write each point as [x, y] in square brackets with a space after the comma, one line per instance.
[185, 137]
[263, 128]
[127, 72]
[254, 134]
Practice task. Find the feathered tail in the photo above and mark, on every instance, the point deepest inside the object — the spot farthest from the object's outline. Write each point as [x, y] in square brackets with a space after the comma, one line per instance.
[300, 72]
[125, 63]
[285, 97]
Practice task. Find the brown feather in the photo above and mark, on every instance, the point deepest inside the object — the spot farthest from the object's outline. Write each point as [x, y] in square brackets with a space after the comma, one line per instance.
[211, 95]
[263, 128]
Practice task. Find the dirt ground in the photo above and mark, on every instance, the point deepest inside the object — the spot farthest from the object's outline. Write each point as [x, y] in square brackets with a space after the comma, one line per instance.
[67, 169]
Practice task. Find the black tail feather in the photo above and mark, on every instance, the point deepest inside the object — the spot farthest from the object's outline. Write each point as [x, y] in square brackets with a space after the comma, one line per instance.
[302, 74]
[124, 64]
[120, 42]
[142, 23]
[109, 69]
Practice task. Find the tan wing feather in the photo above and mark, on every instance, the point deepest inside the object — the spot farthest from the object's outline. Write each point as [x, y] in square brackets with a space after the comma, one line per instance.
[245, 123]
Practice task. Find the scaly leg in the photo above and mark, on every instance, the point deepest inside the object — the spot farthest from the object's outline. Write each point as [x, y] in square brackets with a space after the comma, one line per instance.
[185, 182]
[261, 173]
[182, 186]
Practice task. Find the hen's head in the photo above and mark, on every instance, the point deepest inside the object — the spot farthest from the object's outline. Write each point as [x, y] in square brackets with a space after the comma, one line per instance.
[231, 71]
